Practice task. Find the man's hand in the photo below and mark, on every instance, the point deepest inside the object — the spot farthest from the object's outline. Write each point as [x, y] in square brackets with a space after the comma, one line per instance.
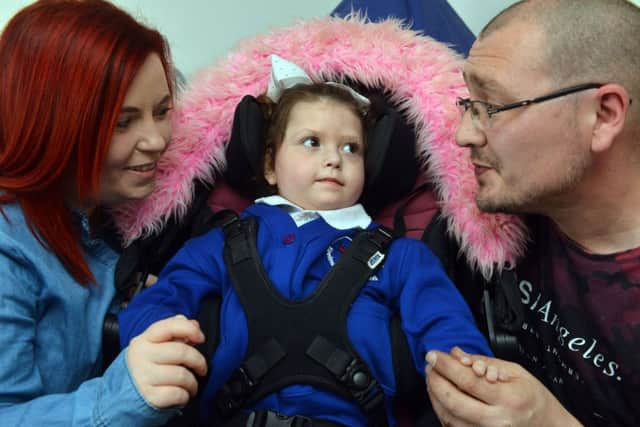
[462, 398]
[162, 361]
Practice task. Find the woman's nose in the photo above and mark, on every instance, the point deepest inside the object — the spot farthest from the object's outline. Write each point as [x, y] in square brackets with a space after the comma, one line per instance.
[154, 137]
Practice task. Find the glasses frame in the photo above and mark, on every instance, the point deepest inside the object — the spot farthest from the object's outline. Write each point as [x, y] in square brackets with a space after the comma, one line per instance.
[467, 103]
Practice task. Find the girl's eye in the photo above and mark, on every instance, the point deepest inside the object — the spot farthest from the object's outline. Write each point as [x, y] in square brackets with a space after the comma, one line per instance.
[351, 147]
[310, 142]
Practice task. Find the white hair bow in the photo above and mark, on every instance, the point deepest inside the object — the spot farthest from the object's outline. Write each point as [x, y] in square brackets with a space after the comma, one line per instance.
[285, 74]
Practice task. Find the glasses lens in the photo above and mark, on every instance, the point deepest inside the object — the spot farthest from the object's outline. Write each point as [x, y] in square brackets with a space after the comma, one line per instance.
[480, 114]
[477, 109]
[463, 105]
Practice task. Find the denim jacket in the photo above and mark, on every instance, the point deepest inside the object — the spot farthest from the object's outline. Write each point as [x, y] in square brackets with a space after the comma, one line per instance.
[51, 333]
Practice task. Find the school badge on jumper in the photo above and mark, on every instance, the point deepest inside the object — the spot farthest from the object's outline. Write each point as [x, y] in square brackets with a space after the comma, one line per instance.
[337, 248]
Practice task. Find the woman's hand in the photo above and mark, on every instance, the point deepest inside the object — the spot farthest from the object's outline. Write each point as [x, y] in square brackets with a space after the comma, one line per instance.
[163, 361]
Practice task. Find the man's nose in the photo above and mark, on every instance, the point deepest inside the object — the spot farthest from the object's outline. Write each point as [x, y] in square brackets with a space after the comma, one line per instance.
[468, 133]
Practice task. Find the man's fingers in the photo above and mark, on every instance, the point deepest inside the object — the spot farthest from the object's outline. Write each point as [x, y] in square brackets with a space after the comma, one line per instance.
[452, 407]
[174, 328]
[447, 419]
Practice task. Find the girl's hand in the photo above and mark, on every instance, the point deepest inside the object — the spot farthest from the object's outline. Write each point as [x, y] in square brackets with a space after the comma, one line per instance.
[163, 361]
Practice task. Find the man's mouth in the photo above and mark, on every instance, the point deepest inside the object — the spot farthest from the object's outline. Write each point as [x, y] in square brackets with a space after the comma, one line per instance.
[479, 170]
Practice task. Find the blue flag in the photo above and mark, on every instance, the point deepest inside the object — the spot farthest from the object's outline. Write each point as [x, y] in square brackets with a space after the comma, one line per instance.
[434, 18]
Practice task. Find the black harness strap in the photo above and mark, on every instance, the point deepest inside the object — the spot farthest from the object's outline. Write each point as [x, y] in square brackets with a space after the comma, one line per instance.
[301, 342]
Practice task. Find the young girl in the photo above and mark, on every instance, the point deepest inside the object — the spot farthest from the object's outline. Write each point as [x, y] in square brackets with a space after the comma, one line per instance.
[314, 165]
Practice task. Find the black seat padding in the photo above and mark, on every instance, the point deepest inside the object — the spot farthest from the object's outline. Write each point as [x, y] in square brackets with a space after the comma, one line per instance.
[391, 164]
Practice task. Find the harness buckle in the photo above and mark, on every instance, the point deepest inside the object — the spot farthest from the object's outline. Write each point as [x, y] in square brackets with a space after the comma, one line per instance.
[363, 386]
[247, 382]
[275, 419]
[355, 376]
[235, 392]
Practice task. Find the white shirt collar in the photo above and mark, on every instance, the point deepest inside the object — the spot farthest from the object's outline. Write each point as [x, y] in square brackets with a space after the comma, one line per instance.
[341, 219]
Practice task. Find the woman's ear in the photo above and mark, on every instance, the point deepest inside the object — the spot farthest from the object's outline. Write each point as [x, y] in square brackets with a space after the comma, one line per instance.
[612, 105]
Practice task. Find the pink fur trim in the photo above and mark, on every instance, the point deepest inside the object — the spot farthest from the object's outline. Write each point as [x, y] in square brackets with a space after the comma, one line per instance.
[423, 77]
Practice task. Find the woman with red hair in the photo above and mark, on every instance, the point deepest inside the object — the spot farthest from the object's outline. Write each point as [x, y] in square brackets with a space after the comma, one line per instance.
[84, 119]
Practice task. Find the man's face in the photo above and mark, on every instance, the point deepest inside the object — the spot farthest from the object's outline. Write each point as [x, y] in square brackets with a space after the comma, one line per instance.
[526, 159]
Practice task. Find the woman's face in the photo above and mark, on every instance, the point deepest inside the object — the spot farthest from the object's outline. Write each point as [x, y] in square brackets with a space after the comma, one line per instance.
[141, 135]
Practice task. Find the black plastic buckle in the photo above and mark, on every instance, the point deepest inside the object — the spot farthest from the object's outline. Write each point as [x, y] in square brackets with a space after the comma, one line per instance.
[243, 377]
[235, 392]
[363, 386]
[227, 405]
[371, 400]
[355, 376]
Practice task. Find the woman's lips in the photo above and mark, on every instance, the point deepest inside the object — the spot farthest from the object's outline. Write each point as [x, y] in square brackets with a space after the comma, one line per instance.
[145, 170]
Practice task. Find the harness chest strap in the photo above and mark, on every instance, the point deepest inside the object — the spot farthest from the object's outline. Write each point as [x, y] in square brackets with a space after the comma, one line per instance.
[298, 342]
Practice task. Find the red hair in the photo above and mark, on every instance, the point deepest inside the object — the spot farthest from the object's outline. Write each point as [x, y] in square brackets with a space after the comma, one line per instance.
[66, 68]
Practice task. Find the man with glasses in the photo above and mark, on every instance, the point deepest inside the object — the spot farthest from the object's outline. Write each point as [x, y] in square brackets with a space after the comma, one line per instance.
[553, 134]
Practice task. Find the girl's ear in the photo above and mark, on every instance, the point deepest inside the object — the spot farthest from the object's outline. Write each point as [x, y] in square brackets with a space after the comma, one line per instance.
[269, 167]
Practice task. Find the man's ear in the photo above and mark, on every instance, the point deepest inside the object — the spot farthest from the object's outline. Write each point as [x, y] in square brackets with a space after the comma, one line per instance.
[612, 104]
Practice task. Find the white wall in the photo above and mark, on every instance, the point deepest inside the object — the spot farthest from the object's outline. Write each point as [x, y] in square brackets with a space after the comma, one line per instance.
[478, 13]
[202, 31]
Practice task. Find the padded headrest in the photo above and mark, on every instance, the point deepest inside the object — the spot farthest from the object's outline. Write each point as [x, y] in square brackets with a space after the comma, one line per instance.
[391, 166]
[244, 150]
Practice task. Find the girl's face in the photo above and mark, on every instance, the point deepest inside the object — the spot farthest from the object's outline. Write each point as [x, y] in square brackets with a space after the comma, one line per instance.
[320, 163]
[141, 135]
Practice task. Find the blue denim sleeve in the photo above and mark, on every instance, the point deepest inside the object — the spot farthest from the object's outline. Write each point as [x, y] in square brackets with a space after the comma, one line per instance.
[25, 390]
[110, 400]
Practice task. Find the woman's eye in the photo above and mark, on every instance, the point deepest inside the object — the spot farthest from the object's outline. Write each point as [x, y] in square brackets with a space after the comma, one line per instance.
[351, 147]
[310, 142]
[162, 113]
[123, 124]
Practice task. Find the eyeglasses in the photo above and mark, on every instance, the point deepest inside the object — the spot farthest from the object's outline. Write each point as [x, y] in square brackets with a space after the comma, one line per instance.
[481, 111]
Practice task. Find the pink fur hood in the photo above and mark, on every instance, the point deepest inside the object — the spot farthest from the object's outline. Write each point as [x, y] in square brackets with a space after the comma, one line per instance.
[422, 76]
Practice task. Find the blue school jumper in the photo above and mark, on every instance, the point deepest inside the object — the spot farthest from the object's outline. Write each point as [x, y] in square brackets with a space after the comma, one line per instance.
[411, 282]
